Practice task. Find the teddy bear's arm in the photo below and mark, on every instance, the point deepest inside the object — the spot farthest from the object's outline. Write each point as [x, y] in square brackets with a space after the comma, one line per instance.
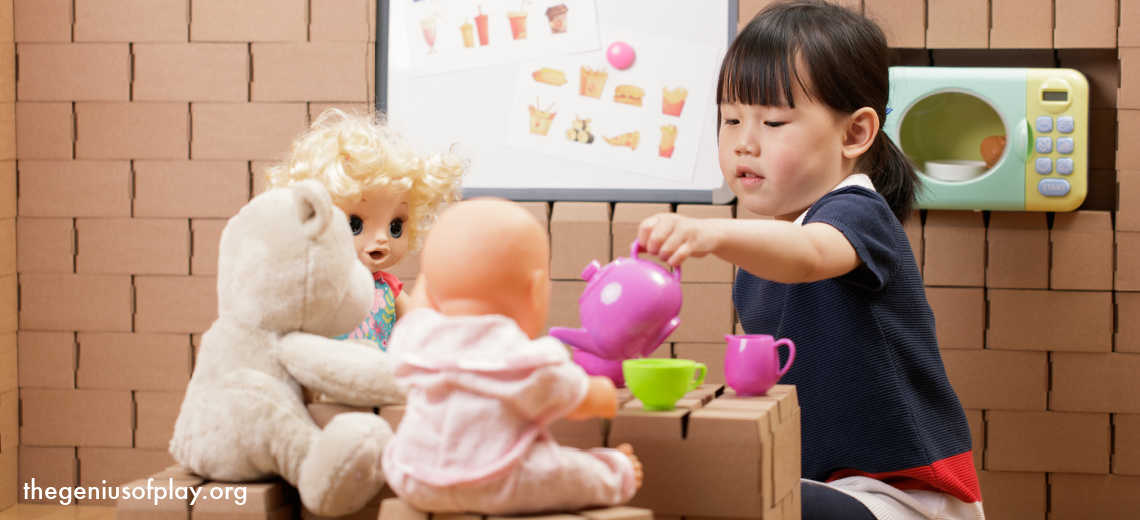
[349, 372]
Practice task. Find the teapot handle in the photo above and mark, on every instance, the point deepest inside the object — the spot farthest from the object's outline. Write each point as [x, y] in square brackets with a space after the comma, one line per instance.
[636, 248]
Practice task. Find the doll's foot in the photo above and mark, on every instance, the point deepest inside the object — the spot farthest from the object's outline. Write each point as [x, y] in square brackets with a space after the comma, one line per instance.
[626, 449]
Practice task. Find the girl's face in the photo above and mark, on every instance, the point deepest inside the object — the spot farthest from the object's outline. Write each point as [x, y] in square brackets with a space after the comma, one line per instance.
[379, 227]
[780, 160]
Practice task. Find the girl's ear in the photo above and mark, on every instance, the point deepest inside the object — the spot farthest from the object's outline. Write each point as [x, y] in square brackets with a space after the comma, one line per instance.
[860, 130]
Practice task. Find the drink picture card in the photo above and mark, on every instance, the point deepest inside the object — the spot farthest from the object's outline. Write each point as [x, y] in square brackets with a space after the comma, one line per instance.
[647, 118]
[450, 35]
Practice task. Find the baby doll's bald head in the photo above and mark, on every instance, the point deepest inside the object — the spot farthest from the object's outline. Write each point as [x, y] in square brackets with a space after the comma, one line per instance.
[489, 256]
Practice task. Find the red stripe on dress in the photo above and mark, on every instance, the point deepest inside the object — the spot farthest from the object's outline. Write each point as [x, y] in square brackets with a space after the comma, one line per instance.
[953, 475]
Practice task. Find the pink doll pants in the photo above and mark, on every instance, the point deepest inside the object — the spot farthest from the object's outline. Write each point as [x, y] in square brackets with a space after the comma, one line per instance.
[549, 478]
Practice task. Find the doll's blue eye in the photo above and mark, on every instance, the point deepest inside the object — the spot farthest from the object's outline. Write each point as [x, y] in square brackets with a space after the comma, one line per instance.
[356, 225]
[396, 228]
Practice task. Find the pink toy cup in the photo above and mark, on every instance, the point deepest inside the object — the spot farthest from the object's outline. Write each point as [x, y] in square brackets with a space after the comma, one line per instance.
[597, 366]
[752, 362]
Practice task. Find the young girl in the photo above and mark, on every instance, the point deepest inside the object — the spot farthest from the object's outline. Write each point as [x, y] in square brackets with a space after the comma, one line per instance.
[389, 192]
[802, 98]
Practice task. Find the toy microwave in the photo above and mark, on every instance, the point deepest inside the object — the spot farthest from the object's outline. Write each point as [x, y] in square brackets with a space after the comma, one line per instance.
[1009, 139]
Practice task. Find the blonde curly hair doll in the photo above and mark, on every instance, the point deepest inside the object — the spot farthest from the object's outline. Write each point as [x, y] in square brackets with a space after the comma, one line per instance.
[389, 191]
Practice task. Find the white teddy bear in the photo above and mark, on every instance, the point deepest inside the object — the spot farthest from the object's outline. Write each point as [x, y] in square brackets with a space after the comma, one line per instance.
[288, 278]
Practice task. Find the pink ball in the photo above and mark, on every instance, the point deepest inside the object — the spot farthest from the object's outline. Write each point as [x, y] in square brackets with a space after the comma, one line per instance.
[620, 55]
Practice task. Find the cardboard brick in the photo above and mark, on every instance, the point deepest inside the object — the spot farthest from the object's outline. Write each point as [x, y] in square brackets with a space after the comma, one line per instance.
[904, 22]
[1028, 320]
[155, 415]
[8, 66]
[1084, 24]
[756, 440]
[1095, 382]
[1017, 250]
[1101, 195]
[94, 302]
[9, 421]
[44, 130]
[309, 71]
[322, 413]
[7, 251]
[9, 304]
[244, 131]
[1021, 24]
[191, 72]
[957, 24]
[6, 22]
[1014, 495]
[955, 249]
[977, 422]
[1082, 251]
[913, 228]
[1047, 441]
[564, 296]
[708, 268]
[341, 21]
[207, 234]
[1103, 69]
[579, 234]
[9, 364]
[75, 188]
[1093, 496]
[178, 304]
[133, 246]
[406, 269]
[45, 245]
[540, 210]
[174, 507]
[117, 466]
[249, 20]
[50, 467]
[132, 21]
[1127, 330]
[132, 130]
[42, 20]
[74, 72]
[959, 316]
[1128, 131]
[133, 361]
[1127, 273]
[8, 125]
[76, 417]
[8, 196]
[627, 217]
[999, 379]
[47, 359]
[711, 354]
[1040, 58]
[392, 414]
[263, 500]
[1126, 444]
[258, 171]
[1129, 33]
[707, 314]
[190, 189]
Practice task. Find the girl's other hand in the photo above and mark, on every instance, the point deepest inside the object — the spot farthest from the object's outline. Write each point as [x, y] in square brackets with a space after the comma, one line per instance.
[674, 238]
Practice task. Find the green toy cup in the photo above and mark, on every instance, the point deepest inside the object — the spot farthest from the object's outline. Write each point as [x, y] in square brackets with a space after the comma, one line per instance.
[659, 383]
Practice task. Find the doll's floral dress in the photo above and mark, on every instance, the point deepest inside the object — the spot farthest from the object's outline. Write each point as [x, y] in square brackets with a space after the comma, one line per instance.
[378, 326]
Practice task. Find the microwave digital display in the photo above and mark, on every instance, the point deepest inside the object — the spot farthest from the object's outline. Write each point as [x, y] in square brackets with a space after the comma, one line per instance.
[1054, 95]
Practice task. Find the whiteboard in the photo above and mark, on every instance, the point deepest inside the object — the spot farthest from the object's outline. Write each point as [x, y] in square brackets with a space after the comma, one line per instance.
[468, 109]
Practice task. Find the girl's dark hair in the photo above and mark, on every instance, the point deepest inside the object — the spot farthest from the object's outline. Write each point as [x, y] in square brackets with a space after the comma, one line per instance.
[846, 57]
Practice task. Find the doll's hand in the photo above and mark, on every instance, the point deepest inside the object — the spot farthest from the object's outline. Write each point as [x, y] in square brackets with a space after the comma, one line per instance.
[674, 238]
[600, 401]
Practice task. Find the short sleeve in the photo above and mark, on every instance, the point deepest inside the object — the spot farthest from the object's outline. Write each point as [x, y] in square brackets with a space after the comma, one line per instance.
[867, 222]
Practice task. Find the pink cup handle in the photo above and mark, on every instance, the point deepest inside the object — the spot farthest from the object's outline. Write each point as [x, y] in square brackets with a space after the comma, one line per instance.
[636, 248]
[702, 370]
[791, 355]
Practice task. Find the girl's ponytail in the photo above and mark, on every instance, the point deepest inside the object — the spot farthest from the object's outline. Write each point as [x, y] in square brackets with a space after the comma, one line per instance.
[893, 175]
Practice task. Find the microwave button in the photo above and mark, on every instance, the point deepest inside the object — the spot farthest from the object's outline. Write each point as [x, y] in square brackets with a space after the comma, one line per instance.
[1044, 124]
[1065, 124]
[1043, 165]
[1065, 145]
[1053, 187]
[1064, 165]
[1043, 145]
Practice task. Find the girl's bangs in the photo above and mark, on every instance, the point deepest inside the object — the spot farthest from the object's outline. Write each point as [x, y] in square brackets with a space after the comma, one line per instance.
[759, 73]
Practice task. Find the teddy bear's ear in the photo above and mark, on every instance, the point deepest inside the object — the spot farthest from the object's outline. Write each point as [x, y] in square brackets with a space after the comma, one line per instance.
[314, 207]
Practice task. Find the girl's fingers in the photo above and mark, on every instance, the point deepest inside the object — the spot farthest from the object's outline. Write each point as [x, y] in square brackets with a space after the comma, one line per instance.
[682, 253]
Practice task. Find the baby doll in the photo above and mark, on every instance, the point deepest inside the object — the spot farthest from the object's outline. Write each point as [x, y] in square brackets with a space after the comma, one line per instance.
[483, 387]
[388, 191]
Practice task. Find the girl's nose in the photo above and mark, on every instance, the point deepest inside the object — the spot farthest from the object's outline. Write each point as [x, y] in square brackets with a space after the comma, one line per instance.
[746, 142]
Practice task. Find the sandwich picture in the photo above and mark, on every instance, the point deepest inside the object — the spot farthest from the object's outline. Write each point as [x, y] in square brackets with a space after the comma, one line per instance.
[628, 94]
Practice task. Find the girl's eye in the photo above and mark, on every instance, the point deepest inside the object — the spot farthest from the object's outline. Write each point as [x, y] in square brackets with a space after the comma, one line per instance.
[774, 124]
[396, 228]
[730, 122]
[355, 224]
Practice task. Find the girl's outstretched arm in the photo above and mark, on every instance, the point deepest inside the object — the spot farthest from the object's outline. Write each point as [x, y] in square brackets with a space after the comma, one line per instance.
[771, 249]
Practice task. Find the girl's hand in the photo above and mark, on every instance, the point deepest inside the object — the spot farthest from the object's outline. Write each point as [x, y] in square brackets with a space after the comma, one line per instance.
[674, 238]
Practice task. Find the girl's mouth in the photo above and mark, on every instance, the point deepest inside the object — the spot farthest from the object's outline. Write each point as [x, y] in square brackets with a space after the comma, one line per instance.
[747, 176]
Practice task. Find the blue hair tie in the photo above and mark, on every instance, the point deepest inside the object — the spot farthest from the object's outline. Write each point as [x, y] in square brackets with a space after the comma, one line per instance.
[888, 111]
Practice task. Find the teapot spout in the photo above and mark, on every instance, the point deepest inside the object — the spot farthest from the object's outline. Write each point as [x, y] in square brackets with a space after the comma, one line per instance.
[577, 338]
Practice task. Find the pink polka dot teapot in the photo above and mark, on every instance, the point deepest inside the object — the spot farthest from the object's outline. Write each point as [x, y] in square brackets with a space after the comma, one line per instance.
[628, 308]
